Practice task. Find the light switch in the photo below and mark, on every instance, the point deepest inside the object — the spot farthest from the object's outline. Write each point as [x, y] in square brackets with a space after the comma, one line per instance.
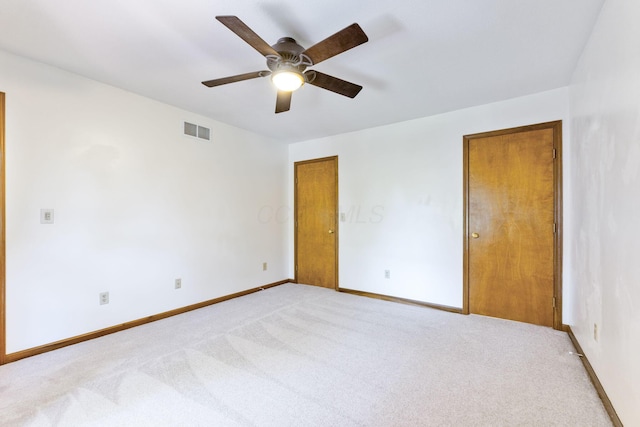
[46, 216]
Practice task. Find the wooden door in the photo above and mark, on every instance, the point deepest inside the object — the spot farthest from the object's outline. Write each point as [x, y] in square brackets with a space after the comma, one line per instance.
[316, 213]
[511, 241]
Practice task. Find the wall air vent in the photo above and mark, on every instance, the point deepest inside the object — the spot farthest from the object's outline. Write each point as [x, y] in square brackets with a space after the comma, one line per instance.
[197, 131]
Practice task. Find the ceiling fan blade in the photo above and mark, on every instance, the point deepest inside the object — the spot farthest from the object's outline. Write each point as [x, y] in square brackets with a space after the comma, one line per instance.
[245, 33]
[341, 41]
[238, 78]
[333, 84]
[283, 102]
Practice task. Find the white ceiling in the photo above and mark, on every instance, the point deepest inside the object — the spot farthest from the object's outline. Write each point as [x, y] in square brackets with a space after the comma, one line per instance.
[423, 57]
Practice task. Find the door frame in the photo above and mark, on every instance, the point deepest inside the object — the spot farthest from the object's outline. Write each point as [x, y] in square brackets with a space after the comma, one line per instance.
[3, 258]
[556, 126]
[295, 216]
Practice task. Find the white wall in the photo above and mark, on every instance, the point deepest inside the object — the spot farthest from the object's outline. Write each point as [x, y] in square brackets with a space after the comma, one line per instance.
[137, 204]
[400, 187]
[605, 183]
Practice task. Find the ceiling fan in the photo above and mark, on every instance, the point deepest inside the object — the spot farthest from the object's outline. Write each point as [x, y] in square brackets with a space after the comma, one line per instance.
[287, 61]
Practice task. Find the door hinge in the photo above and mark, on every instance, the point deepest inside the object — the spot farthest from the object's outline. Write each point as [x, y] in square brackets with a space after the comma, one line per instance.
[554, 302]
[296, 267]
[554, 153]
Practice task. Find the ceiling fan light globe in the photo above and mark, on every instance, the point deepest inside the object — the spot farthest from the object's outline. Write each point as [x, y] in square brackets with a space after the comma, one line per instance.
[287, 81]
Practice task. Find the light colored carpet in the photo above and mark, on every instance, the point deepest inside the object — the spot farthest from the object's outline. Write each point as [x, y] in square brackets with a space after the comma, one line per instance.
[298, 355]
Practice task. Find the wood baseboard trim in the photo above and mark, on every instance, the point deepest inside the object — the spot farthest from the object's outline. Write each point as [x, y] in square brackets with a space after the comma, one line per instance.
[12, 357]
[594, 379]
[401, 300]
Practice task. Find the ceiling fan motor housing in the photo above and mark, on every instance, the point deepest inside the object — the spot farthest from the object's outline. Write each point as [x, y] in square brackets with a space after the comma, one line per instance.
[291, 56]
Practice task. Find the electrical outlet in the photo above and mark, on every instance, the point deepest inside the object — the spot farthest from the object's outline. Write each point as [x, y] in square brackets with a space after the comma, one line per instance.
[46, 216]
[387, 274]
[595, 331]
[264, 266]
[178, 283]
[104, 298]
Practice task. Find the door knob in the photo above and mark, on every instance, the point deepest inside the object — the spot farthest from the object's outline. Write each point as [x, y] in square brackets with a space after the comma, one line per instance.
[475, 235]
[330, 231]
